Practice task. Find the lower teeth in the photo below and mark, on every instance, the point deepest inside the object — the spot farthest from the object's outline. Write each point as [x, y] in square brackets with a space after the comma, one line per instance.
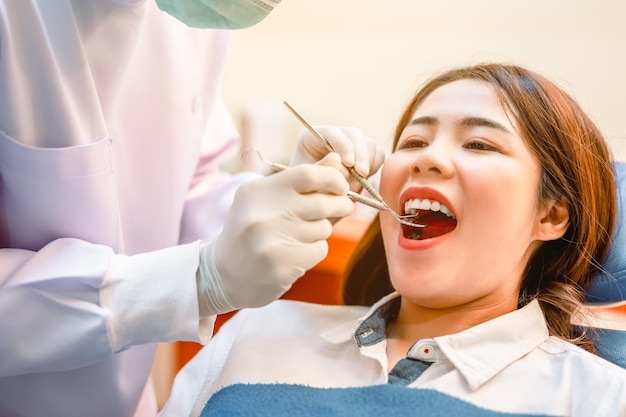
[416, 234]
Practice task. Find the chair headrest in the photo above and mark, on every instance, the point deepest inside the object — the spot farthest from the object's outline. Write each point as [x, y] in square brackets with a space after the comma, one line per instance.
[609, 286]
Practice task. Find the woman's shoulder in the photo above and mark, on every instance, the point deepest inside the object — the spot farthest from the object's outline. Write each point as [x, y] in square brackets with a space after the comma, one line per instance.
[295, 313]
[291, 310]
[581, 360]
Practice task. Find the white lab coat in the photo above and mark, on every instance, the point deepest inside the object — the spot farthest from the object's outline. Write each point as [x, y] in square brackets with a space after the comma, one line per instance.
[111, 138]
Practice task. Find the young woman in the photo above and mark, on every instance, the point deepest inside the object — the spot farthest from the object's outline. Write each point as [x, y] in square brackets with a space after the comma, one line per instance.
[514, 188]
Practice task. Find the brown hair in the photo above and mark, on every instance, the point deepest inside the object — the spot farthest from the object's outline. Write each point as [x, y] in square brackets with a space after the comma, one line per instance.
[576, 169]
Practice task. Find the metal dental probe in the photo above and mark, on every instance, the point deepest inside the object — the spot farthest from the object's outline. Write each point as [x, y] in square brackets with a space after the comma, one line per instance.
[351, 194]
[361, 180]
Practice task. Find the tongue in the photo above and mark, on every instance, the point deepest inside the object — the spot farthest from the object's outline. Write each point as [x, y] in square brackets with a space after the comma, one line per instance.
[436, 224]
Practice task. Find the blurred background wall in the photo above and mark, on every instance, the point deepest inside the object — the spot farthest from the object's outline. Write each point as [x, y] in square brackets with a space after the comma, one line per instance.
[357, 62]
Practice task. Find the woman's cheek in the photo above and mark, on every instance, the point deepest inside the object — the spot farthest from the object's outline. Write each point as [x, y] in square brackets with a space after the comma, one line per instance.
[390, 180]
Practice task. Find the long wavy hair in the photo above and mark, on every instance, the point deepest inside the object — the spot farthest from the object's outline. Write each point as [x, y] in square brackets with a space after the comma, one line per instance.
[576, 168]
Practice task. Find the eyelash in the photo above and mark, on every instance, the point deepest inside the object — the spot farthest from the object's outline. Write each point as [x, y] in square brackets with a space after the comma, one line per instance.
[476, 144]
[479, 145]
[412, 142]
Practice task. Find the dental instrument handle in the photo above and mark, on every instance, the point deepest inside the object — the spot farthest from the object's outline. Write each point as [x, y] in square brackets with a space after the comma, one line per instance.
[356, 197]
[367, 186]
[311, 129]
[360, 179]
[379, 203]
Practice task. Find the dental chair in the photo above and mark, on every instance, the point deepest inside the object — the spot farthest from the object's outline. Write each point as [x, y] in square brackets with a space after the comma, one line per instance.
[606, 296]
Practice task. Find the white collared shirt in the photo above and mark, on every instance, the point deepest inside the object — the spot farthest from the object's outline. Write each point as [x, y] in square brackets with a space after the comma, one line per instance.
[508, 364]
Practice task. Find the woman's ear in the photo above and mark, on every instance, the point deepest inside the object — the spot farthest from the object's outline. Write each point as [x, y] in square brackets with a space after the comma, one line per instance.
[554, 220]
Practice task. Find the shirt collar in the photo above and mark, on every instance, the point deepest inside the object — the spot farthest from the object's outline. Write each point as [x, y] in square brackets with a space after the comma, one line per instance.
[348, 331]
[481, 352]
[478, 353]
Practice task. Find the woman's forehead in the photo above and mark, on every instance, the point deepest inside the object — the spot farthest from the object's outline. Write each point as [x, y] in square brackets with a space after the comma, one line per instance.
[466, 98]
[467, 94]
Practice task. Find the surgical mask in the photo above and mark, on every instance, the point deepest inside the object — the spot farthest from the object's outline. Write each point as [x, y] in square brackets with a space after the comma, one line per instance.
[218, 14]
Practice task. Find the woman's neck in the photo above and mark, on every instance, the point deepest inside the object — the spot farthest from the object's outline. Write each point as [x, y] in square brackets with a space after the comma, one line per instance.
[415, 322]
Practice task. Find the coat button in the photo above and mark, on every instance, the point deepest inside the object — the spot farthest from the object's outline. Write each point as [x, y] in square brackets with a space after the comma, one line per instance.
[195, 104]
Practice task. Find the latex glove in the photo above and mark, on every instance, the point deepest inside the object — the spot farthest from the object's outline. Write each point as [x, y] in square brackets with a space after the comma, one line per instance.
[275, 231]
[355, 148]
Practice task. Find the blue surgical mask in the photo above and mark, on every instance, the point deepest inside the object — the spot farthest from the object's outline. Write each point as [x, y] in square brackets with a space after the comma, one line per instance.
[218, 14]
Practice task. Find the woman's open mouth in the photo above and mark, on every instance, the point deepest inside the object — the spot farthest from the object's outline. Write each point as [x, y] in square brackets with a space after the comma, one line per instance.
[435, 216]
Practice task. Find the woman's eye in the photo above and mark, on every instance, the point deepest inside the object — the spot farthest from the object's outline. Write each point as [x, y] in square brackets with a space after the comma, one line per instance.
[479, 145]
[412, 142]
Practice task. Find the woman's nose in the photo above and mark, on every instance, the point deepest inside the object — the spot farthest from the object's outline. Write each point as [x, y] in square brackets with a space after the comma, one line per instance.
[434, 159]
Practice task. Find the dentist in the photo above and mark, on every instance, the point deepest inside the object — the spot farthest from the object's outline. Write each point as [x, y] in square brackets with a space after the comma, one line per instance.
[118, 229]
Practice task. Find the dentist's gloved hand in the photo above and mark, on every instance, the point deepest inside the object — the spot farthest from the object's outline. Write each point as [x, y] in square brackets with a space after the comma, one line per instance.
[275, 231]
[355, 148]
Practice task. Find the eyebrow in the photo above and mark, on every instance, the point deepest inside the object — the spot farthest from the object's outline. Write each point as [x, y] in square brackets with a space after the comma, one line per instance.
[467, 121]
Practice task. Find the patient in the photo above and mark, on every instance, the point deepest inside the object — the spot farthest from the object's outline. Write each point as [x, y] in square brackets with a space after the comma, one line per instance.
[471, 313]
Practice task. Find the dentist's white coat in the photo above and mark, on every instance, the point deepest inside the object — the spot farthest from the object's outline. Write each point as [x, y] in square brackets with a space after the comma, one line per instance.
[111, 138]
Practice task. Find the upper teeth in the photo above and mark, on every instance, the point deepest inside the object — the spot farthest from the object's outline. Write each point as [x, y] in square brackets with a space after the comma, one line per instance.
[411, 206]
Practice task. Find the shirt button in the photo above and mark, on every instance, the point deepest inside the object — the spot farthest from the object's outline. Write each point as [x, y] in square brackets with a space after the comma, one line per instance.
[426, 351]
